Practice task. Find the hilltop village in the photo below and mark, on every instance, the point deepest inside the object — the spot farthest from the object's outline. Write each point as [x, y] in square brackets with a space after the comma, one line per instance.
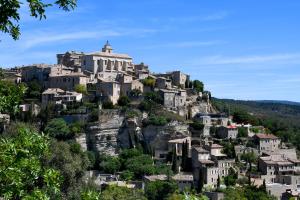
[141, 127]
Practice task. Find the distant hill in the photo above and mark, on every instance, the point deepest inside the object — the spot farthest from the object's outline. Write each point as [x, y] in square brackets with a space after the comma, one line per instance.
[281, 102]
[286, 112]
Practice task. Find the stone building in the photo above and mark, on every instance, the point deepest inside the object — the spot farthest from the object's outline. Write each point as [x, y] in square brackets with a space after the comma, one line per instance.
[67, 81]
[227, 132]
[173, 98]
[209, 167]
[107, 61]
[126, 88]
[141, 71]
[180, 79]
[38, 72]
[266, 142]
[70, 59]
[59, 96]
[163, 83]
[108, 91]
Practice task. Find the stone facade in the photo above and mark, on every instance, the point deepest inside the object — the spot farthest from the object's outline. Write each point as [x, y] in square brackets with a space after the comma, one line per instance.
[266, 142]
[227, 132]
[59, 96]
[108, 91]
[106, 60]
[173, 98]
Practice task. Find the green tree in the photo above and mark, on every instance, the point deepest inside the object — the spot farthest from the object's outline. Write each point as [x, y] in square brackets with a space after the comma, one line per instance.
[242, 132]
[22, 173]
[80, 88]
[198, 85]
[108, 105]
[58, 129]
[10, 16]
[249, 158]
[110, 164]
[149, 82]
[174, 161]
[90, 195]
[123, 101]
[160, 190]
[11, 96]
[230, 179]
[34, 89]
[140, 165]
[71, 164]
[122, 193]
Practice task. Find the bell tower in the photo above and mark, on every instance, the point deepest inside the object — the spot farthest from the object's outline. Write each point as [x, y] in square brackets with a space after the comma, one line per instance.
[107, 48]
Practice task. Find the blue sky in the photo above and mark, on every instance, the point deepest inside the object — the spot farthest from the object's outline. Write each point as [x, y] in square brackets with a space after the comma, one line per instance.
[242, 49]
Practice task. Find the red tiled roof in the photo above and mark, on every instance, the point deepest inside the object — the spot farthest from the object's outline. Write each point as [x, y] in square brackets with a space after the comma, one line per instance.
[231, 126]
[265, 136]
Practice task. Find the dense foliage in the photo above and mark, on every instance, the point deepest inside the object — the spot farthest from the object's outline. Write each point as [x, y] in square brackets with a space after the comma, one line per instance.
[23, 174]
[10, 97]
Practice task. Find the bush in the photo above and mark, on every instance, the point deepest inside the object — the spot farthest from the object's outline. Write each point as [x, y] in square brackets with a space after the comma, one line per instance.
[197, 126]
[110, 164]
[59, 129]
[156, 120]
[81, 88]
[242, 132]
[108, 105]
[149, 82]
[123, 101]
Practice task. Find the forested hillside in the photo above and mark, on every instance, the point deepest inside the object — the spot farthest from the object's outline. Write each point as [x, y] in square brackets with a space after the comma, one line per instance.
[281, 119]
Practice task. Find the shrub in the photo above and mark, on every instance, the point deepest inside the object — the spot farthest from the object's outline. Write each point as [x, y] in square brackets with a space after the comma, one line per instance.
[197, 126]
[123, 101]
[59, 129]
[108, 105]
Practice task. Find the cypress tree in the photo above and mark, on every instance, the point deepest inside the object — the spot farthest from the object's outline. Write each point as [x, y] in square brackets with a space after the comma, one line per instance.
[218, 182]
[200, 182]
[183, 157]
[174, 162]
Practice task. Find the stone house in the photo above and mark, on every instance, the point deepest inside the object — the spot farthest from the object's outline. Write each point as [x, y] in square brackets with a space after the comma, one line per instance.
[59, 96]
[210, 166]
[179, 79]
[266, 142]
[70, 59]
[67, 81]
[126, 88]
[173, 98]
[241, 149]
[109, 91]
[278, 165]
[163, 83]
[227, 132]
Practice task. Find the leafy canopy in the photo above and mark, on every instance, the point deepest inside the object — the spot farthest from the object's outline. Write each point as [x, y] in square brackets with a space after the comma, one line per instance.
[22, 173]
[10, 16]
[11, 96]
